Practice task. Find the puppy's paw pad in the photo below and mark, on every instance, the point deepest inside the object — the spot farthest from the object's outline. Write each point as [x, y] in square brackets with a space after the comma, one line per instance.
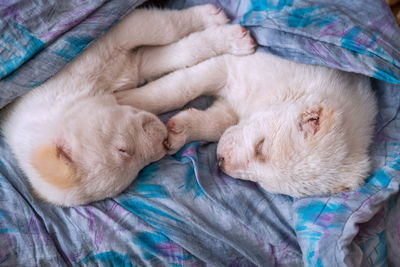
[176, 135]
[174, 126]
[241, 42]
[213, 15]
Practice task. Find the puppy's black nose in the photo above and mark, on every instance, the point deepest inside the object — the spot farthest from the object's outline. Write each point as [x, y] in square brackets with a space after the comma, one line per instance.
[221, 161]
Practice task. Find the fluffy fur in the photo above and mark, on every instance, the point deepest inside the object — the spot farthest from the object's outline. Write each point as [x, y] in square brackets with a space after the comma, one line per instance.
[72, 139]
[295, 129]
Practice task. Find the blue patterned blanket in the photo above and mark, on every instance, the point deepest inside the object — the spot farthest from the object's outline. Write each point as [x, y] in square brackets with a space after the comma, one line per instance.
[182, 211]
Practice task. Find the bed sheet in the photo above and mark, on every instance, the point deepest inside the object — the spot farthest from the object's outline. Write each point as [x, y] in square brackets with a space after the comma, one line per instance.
[182, 211]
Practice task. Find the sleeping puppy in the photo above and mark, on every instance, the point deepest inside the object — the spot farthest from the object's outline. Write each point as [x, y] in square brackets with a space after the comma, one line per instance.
[295, 129]
[72, 139]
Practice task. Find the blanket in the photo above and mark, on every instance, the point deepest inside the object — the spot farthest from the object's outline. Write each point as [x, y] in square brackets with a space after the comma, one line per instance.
[182, 210]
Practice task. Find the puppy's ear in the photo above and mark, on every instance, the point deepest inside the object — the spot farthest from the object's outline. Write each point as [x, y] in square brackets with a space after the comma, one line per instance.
[315, 118]
[55, 166]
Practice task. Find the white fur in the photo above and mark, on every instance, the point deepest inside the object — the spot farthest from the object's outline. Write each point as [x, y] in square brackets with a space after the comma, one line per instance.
[295, 129]
[74, 120]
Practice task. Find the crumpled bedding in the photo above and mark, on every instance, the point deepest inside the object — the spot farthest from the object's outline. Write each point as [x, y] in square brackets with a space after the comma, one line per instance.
[182, 211]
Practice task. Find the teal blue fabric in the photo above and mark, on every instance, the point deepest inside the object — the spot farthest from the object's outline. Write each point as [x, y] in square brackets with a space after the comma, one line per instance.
[182, 211]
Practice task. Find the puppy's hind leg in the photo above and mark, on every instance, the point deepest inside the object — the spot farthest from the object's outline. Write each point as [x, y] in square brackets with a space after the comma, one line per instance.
[197, 47]
[195, 125]
[177, 88]
[161, 27]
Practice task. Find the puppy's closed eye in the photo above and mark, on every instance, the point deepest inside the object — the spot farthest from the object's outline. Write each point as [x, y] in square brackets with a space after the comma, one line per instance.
[125, 152]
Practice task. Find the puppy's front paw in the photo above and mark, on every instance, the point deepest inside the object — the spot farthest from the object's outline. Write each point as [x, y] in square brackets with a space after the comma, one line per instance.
[177, 135]
[212, 15]
[240, 40]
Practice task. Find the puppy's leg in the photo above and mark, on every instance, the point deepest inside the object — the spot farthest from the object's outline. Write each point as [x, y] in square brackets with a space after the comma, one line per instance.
[197, 47]
[193, 124]
[176, 89]
[161, 27]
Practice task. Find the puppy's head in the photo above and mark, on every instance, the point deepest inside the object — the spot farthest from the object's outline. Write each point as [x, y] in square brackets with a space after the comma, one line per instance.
[97, 149]
[294, 149]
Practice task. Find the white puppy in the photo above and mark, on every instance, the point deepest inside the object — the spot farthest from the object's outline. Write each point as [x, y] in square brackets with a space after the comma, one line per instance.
[74, 142]
[295, 129]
